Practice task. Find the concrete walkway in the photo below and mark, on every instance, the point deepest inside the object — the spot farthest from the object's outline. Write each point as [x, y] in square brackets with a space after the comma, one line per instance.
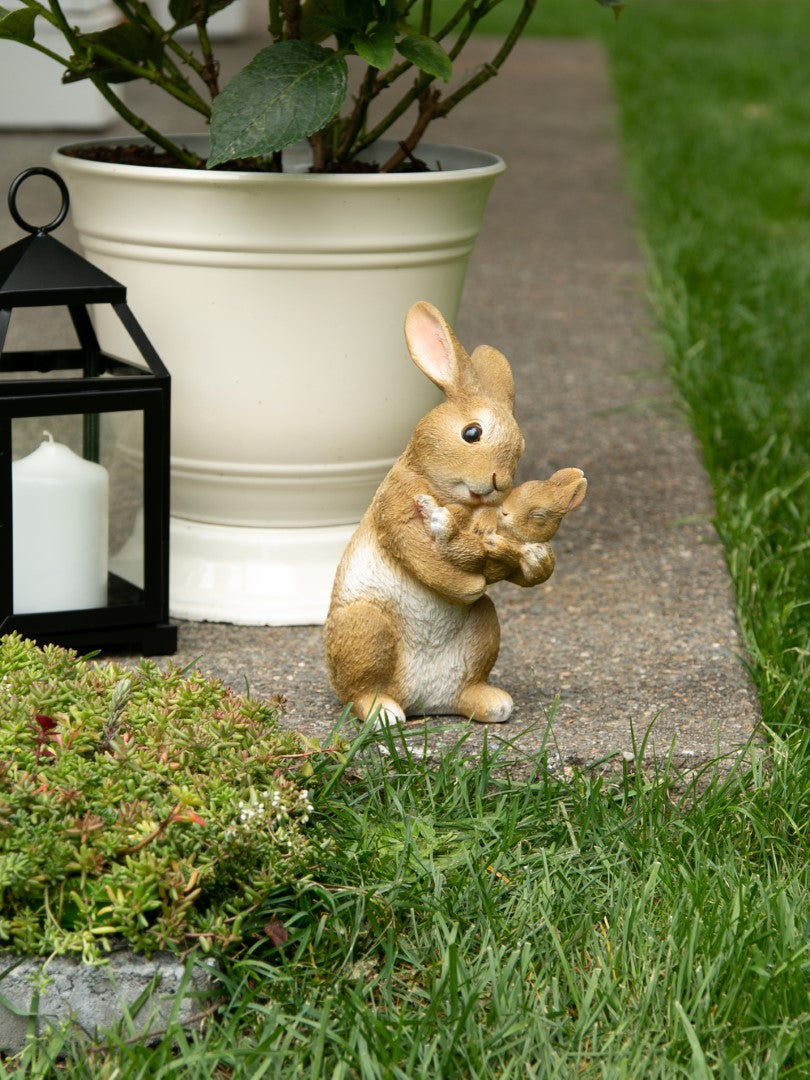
[637, 625]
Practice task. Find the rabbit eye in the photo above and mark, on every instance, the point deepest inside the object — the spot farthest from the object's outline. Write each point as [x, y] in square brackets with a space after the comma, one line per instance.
[472, 433]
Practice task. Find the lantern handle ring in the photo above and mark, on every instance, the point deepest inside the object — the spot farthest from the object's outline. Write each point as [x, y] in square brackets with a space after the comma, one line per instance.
[18, 181]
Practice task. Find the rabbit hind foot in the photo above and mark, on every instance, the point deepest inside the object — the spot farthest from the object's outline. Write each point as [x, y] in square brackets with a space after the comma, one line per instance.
[486, 704]
[384, 711]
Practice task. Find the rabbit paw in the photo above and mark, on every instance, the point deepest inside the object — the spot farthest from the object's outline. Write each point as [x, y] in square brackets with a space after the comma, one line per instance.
[536, 560]
[494, 544]
[437, 519]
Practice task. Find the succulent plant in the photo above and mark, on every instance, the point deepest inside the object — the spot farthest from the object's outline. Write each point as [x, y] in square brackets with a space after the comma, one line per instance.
[154, 806]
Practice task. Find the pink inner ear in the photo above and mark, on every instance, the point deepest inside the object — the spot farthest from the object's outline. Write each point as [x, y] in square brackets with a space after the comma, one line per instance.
[431, 348]
[578, 496]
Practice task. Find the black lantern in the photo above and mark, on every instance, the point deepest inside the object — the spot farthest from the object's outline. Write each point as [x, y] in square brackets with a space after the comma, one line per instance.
[84, 460]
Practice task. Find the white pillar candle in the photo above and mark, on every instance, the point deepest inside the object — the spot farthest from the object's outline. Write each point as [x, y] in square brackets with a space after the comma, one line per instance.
[60, 536]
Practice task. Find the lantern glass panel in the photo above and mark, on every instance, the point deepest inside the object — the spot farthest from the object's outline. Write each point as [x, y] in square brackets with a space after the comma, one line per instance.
[122, 449]
[78, 503]
[37, 328]
[27, 433]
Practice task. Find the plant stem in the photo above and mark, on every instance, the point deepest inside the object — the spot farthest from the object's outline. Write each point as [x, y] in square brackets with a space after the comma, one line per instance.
[317, 144]
[183, 94]
[389, 77]
[275, 24]
[291, 10]
[210, 68]
[428, 110]
[186, 157]
[137, 12]
[472, 11]
[420, 85]
[179, 153]
[432, 108]
[159, 831]
[493, 67]
[356, 121]
[427, 11]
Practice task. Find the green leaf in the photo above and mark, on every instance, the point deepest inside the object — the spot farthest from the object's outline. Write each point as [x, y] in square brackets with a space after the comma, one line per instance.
[324, 18]
[427, 55]
[376, 48]
[183, 12]
[287, 92]
[127, 40]
[17, 25]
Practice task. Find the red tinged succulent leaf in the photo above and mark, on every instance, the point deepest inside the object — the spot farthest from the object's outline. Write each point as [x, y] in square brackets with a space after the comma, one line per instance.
[187, 816]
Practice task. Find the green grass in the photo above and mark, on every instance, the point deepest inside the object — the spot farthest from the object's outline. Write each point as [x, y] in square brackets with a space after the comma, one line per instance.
[469, 926]
[472, 926]
[720, 164]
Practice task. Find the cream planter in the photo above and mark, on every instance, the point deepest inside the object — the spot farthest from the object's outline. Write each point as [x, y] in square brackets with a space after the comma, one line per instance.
[277, 302]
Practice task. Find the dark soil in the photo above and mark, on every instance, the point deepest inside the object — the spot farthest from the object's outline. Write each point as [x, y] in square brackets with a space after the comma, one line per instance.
[139, 154]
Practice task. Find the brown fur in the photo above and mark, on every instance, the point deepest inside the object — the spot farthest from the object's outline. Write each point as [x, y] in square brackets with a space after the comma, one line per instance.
[509, 541]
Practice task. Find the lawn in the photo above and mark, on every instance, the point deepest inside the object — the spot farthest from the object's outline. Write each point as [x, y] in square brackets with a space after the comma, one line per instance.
[719, 157]
[466, 925]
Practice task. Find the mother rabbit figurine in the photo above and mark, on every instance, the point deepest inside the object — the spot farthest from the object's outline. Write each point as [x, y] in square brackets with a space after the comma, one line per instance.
[407, 630]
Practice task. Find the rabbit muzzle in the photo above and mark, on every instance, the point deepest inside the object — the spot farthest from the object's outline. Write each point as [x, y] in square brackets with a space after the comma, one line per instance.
[488, 494]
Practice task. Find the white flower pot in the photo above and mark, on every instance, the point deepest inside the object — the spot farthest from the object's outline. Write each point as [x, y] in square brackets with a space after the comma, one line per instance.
[277, 302]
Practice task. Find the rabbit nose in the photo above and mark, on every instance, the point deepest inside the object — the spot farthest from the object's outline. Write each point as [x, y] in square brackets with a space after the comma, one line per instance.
[482, 490]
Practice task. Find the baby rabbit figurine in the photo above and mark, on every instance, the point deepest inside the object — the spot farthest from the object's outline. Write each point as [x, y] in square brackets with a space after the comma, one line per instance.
[508, 541]
[409, 630]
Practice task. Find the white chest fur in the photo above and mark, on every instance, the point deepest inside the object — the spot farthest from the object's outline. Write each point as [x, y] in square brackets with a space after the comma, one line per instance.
[432, 663]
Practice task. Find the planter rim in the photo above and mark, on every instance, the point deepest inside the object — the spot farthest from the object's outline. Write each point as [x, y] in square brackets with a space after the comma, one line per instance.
[453, 159]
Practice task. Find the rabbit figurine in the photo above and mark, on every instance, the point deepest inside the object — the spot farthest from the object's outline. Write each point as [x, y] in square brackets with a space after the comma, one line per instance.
[408, 630]
[508, 541]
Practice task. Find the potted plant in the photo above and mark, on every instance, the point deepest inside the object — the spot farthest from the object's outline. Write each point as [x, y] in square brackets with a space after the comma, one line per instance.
[272, 264]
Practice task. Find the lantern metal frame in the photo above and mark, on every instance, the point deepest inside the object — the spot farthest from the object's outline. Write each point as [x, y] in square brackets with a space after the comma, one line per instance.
[40, 272]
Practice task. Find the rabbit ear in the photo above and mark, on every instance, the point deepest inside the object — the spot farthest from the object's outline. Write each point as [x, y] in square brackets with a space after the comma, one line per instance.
[434, 347]
[578, 495]
[494, 374]
[571, 486]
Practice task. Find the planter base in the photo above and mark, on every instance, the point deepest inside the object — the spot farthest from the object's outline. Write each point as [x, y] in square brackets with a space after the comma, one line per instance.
[253, 576]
